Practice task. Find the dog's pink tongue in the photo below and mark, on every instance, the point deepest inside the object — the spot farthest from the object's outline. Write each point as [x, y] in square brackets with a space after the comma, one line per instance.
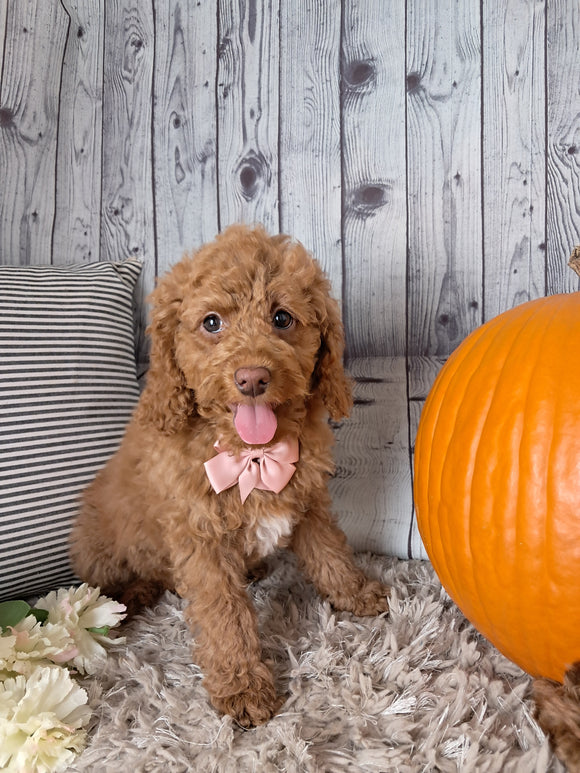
[255, 424]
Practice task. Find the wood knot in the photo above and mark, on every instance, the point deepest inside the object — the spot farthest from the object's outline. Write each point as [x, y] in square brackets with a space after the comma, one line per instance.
[449, 326]
[413, 81]
[368, 198]
[253, 175]
[359, 73]
[6, 117]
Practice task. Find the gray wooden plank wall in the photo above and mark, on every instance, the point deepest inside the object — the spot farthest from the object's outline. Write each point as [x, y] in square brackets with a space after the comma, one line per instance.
[426, 151]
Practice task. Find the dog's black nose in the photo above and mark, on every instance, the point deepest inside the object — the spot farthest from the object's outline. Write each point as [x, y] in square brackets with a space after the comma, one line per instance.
[252, 381]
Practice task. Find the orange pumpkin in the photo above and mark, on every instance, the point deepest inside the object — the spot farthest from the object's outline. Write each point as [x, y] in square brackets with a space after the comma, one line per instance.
[497, 482]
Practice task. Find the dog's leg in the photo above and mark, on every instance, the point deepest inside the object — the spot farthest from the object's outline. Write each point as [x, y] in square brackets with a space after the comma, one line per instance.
[227, 645]
[327, 559]
[97, 558]
[558, 713]
[115, 578]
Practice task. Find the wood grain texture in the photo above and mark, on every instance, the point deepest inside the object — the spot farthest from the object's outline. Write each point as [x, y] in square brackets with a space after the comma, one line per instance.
[372, 487]
[247, 98]
[563, 147]
[29, 98]
[184, 128]
[310, 141]
[422, 374]
[77, 222]
[444, 174]
[127, 226]
[3, 15]
[514, 159]
[416, 547]
[374, 177]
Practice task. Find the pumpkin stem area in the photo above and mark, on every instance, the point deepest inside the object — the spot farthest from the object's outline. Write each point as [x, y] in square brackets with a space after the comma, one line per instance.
[574, 261]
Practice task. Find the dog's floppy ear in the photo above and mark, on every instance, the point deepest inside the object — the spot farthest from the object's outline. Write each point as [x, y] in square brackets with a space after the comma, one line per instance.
[166, 401]
[329, 379]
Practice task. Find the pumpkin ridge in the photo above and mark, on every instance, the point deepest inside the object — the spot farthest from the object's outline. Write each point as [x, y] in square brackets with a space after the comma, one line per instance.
[476, 349]
[479, 490]
[429, 425]
[526, 361]
[563, 463]
[527, 546]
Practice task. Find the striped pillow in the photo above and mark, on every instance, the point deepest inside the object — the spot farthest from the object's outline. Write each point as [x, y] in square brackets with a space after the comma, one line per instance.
[67, 389]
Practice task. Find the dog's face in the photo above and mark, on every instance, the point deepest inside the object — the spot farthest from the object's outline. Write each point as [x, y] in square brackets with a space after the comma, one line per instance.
[246, 328]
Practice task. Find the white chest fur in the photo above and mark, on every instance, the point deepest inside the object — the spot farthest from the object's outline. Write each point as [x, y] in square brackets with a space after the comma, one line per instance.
[269, 533]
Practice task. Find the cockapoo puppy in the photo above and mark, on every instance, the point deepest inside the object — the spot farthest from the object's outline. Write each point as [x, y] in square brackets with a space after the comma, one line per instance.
[227, 457]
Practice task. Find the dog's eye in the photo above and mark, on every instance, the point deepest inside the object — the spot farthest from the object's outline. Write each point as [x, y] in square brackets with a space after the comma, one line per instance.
[212, 323]
[283, 319]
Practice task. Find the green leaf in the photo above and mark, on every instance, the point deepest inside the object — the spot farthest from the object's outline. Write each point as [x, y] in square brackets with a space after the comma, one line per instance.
[12, 612]
[103, 631]
[40, 614]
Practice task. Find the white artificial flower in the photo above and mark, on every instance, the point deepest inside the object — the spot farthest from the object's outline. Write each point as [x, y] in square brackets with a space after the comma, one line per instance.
[22, 646]
[41, 721]
[7, 642]
[79, 610]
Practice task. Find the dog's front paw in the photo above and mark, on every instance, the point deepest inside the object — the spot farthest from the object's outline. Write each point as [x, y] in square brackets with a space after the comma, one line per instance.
[368, 600]
[252, 706]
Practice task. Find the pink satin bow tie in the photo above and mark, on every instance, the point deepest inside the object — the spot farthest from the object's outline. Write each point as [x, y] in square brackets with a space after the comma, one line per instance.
[268, 469]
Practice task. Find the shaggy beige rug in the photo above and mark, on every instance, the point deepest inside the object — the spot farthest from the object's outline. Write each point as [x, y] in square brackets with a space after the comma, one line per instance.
[417, 690]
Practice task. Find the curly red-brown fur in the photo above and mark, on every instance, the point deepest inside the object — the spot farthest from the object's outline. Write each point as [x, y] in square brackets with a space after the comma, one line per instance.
[151, 520]
[558, 714]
